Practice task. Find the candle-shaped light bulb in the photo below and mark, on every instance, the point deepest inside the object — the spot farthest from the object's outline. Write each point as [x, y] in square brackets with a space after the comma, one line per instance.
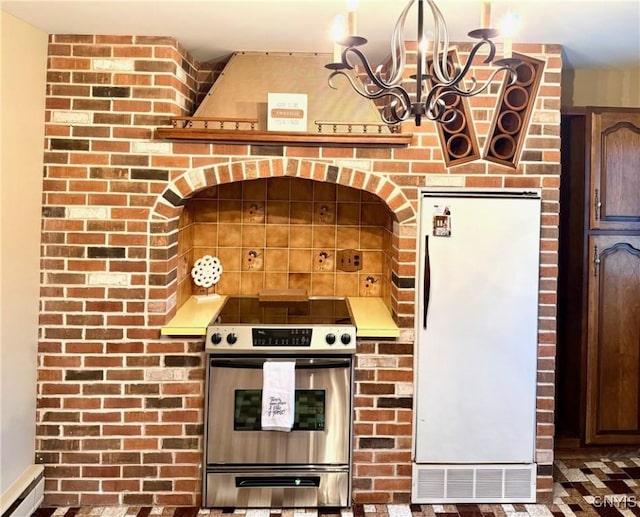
[337, 35]
[508, 47]
[508, 28]
[352, 24]
[485, 15]
[426, 47]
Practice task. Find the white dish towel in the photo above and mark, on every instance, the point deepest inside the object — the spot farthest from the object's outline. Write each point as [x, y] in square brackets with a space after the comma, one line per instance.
[278, 395]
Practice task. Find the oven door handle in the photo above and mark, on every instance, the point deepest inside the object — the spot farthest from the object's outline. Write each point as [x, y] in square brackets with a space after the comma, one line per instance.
[257, 365]
[277, 481]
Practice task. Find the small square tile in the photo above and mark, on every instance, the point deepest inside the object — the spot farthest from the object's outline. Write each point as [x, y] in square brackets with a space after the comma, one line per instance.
[300, 236]
[398, 510]
[632, 472]
[279, 188]
[618, 487]
[596, 481]
[258, 513]
[278, 212]
[575, 475]
[277, 236]
[114, 511]
[537, 510]
[301, 213]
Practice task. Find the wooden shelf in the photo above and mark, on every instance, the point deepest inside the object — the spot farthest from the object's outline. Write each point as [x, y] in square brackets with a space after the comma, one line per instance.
[372, 317]
[283, 138]
[193, 317]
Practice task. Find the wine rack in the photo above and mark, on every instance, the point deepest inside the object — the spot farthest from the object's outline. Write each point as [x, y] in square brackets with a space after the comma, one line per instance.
[513, 112]
[458, 139]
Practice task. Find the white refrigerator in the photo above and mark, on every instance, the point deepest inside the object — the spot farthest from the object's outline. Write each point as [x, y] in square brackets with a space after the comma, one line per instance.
[476, 346]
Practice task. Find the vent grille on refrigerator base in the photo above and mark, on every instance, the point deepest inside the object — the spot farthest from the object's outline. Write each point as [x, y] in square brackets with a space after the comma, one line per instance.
[474, 483]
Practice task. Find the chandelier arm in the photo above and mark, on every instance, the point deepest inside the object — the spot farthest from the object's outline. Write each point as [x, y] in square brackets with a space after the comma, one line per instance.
[455, 82]
[397, 107]
[396, 92]
[398, 47]
[480, 89]
[358, 89]
[374, 77]
[434, 105]
[476, 48]
[440, 44]
[396, 117]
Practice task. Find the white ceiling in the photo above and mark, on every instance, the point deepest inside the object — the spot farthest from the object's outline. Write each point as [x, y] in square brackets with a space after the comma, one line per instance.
[592, 33]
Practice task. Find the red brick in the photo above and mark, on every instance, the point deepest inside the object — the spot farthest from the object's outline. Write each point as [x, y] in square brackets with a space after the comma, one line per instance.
[141, 416]
[137, 444]
[179, 471]
[102, 471]
[102, 417]
[90, 499]
[176, 499]
[124, 485]
[114, 402]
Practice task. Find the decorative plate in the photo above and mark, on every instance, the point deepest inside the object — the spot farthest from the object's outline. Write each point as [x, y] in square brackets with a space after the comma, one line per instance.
[206, 271]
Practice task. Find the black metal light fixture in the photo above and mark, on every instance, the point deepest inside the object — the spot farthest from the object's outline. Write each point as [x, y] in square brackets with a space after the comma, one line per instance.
[433, 83]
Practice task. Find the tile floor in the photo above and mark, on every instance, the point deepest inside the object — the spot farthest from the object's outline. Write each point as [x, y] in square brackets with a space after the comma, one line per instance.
[607, 486]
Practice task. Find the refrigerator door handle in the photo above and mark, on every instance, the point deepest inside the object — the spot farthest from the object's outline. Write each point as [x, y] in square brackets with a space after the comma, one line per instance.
[427, 283]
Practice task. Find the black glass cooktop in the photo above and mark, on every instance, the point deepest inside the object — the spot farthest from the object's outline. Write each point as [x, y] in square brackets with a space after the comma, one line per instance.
[250, 310]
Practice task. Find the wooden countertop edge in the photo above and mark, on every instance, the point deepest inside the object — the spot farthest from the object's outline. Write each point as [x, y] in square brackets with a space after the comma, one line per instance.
[378, 333]
[362, 308]
[193, 317]
[370, 317]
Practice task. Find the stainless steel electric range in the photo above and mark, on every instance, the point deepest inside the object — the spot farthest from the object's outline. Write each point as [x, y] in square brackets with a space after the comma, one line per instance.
[310, 465]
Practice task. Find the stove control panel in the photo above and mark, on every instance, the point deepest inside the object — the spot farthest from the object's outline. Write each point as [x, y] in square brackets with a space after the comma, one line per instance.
[245, 339]
[266, 337]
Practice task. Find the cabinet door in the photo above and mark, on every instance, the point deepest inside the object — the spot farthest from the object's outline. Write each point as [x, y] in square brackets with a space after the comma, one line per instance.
[613, 340]
[615, 170]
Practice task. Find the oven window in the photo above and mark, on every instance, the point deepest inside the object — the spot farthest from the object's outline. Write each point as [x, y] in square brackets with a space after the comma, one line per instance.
[309, 412]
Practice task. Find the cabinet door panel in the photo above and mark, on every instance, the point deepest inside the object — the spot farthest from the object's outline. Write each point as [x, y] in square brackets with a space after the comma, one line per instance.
[615, 170]
[613, 341]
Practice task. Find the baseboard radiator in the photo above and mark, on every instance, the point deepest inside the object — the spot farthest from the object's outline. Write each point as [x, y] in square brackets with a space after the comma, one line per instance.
[433, 484]
[24, 495]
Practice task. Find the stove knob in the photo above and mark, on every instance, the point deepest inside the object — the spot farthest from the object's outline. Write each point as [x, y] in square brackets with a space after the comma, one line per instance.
[232, 338]
[345, 338]
[216, 338]
[330, 339]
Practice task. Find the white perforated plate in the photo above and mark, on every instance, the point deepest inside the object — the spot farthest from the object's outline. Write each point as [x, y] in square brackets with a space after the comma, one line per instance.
[206, 271]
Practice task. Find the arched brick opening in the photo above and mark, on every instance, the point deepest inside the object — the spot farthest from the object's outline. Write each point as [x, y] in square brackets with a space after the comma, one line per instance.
[163, 223]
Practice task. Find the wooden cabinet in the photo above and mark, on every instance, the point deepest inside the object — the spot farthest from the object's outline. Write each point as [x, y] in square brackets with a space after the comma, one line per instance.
[615, 170]
[613, 340]
[598, 359]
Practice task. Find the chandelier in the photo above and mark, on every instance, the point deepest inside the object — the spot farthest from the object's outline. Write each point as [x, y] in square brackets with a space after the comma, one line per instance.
[436, 78]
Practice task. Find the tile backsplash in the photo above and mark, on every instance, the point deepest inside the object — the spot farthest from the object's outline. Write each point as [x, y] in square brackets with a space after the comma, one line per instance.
[282, 233]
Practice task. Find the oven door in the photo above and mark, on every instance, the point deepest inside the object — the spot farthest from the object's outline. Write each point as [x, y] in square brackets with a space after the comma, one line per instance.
[322, 428]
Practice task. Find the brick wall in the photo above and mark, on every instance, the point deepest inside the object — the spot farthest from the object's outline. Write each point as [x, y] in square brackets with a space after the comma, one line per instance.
[120, 411]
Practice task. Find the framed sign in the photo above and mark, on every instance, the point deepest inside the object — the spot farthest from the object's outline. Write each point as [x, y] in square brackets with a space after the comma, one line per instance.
[287, 112]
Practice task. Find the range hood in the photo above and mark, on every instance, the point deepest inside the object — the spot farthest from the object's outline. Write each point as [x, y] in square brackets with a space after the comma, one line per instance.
[241, 91]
